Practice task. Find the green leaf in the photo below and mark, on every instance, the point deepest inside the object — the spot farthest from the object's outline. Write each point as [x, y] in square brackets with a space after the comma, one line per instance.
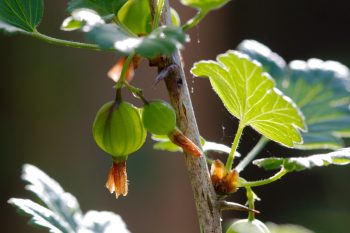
[205, 5]
[249, 94]
[136, 16]
[320, 88]
[162, 41]
[272, 63]
[340, 157]
[103, 7]
[84, 19]
[175, 18]
[20, 15]
[62, 212]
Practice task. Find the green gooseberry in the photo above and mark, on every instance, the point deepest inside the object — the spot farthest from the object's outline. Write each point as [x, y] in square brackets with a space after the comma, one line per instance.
[118, 129]
[247, 226]
[159, 117]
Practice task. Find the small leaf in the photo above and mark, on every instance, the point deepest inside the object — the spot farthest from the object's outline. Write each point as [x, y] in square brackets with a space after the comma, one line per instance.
[20, 15]
[162, 41]
[70, 24]
[249, 94]
[136, 16]
[340, 157]
[320, 88]
[175, 18]
[103, 7]
[40, 216]
[82, 18]
[205, 5]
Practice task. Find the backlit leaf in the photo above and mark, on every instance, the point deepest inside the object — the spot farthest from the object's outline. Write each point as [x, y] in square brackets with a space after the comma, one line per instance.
[103, 7]
[340, 157]
[321, 89]
[250, 95]
[20, 15]
[136, 16]
[162, 41]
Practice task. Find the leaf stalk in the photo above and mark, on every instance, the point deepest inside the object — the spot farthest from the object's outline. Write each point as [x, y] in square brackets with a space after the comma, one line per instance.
[277, 176]
[67, 43]
[235, 143]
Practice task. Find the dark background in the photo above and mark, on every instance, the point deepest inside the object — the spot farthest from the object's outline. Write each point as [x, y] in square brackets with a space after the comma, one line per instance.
[49, 96]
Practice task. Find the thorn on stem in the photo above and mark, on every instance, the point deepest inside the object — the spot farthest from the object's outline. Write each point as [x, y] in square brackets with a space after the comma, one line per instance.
[166, 72]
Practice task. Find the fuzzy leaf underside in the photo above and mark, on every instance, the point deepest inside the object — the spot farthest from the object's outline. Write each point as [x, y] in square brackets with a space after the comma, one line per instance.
[320, 88]
[20, 15]
[249, 94]
[40, 216]
[52, 194]
[61, 213]
[162, 41]
[340, 157]
[102, 7]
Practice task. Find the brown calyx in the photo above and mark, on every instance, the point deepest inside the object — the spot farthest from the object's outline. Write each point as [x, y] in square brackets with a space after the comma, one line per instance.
[115, 72]
[117, 179]
[179, 139]
[224, 182]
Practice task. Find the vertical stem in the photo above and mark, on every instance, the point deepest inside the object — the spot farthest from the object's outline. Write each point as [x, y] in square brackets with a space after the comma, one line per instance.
[207, 205]
[124, 69]
[252, 154]
[251, 200]
[235, 143]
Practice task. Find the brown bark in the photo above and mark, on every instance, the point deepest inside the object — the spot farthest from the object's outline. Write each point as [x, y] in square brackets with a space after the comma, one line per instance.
[208, 208]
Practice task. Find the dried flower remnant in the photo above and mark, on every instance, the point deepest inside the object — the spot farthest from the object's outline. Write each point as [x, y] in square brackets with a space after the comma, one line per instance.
[117, 179]
[224, 182]
[116, 70]
[179, 139]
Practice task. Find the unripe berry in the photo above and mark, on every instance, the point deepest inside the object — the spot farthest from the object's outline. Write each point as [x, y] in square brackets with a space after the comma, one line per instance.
[159, 117]
[246, 226]
[118, 129]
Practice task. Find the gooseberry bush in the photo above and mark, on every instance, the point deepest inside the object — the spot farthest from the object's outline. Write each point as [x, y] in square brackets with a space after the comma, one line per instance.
[303, 105]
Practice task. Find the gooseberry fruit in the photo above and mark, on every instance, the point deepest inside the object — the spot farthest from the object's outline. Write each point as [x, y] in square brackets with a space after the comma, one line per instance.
[159, 117]
[118, 129]
[247, 226]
